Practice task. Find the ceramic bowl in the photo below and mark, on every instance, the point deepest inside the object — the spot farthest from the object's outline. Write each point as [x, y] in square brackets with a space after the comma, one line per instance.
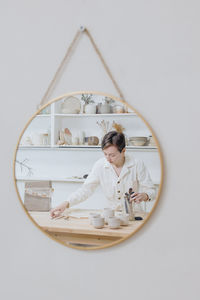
[118, 109]
[138, 141]
[71, 105]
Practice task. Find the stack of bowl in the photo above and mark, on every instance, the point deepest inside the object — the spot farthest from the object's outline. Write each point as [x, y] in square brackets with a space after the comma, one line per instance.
[138, 141]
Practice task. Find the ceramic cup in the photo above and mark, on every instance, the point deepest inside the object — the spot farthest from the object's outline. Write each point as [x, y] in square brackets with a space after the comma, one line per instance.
[114, 222]
[124, 219]
[108, 212]
[98, 222]
[75, 140]
[93, 215]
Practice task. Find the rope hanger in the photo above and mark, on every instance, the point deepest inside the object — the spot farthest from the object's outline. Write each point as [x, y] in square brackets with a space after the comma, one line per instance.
[80, 32]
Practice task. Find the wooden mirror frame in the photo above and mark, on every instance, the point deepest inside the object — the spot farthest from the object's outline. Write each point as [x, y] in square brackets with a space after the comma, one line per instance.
[157, 145]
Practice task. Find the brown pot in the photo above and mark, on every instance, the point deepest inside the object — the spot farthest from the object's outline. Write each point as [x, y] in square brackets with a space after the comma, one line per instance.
[93, 140]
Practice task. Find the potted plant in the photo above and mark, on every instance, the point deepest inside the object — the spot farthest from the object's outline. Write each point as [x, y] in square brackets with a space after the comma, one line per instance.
[105, 106]
[89, 104]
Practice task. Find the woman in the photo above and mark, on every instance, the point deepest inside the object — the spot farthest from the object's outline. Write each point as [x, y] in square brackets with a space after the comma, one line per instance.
[116, 172]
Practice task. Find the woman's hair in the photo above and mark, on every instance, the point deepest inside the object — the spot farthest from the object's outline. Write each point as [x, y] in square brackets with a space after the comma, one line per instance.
[113, 138]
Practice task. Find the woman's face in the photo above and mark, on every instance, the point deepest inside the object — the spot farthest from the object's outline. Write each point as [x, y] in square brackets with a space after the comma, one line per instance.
[113, 155]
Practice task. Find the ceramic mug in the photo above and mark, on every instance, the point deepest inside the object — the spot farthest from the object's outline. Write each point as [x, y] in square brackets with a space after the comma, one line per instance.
[98, 222]
[124, 219]
[93, 215]
[108, 212]
[114, 222]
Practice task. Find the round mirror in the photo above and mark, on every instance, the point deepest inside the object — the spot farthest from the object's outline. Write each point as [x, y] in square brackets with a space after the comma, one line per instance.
[88, 170]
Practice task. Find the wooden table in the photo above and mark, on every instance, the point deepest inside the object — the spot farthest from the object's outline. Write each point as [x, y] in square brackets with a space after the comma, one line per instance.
[79, 231]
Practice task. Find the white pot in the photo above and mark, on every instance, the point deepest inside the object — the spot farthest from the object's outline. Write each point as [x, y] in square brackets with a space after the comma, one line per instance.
[90, 108]
[104, 108]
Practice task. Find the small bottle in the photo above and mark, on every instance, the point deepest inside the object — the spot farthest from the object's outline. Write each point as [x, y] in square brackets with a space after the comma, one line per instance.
[45, 139]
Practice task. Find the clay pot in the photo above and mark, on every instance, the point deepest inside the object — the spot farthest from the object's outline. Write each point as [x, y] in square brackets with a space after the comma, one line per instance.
[93, 140]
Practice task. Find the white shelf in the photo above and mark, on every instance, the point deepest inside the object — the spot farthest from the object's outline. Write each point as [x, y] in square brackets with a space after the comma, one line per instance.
[43, 115]
[60, 120]
[96, 115]
[84, 147]
[34, 147]
[99, 147]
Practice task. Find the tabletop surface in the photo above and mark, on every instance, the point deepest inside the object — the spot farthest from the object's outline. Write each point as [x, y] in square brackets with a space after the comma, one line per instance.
[81, 225]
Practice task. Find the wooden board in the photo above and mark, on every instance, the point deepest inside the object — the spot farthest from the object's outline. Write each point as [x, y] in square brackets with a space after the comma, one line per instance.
[80, 231]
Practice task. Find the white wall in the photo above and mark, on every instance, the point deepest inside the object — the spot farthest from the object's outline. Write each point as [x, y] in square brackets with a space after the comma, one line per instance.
[152, 48]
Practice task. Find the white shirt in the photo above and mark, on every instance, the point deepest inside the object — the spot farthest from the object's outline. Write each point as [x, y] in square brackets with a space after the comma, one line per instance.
[133, 175]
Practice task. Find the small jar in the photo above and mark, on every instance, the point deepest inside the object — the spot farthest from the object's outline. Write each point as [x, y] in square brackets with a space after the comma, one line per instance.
[118, 109]
[45, 139]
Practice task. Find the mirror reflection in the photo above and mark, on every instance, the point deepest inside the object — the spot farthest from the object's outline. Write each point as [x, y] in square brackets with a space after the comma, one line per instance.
[88, 170]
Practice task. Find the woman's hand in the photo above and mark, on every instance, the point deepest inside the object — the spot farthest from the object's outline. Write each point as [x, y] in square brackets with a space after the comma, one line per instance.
[58, 210]
[139, 197]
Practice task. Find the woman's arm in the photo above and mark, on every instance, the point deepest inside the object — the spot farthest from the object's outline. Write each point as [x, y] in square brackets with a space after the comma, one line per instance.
[146, 185]
[81, 194]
